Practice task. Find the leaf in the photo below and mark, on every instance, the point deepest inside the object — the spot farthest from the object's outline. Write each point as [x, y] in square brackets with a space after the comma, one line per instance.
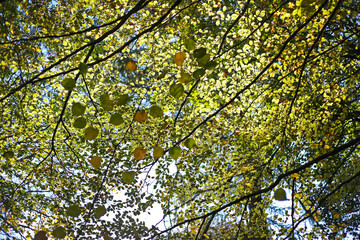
[106, 102]
[190, 143]
[176, 90]
[179, 58]
[59, 232]
[123, 99]
[95, 161]
[199, 53]
[139, 153]
[128, 177]
[140, 116]
[77, 109]
[83, 68]
[211, 65]
[108, 105]
[162, 75]
[68, 83]
[185, 78]
[156, 111]
[73, 211]
[280, 194]
[41, 235]
[175, 152]
[203, 60]
[91, 133]
[116, 119]
[131, 66]
[107, 237]
[199, 73]
[100, 211]
[104, 98]
[189, 44]
[9, 154]
[158, 152]
[79, 122]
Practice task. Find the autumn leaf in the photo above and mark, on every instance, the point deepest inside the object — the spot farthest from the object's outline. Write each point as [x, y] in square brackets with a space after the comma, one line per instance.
[95, 161]
[179, 58]
[131, 66]
[140, 116]
[139, 153]
[41, 235]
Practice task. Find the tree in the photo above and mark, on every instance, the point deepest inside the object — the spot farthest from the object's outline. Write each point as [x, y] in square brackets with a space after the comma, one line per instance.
[216, 110]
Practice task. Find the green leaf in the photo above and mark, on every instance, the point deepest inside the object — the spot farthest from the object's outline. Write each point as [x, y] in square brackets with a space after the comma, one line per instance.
[100, 211]
[68, 83]
[185, 78]
[128, 177]
[123, 99]
[77, 109]
[156, 111]
[59, 232]
[177, 90]
[73, 211]
[80, 122]
[280, 194]
[104, 98]
[211, 65]
[116, 119]
[189, 44]
[175, 152]
[199, 73]
[83, 68]
[203, 60]
[158, 152]
[190, 143]
[91, 133]
[199, 53]
[9, 154]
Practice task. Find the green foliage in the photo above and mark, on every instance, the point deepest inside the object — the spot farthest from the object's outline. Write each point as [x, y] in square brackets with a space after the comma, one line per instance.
[247, 101]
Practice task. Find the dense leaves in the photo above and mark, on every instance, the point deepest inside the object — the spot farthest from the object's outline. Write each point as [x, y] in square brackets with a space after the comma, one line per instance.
[238, 119]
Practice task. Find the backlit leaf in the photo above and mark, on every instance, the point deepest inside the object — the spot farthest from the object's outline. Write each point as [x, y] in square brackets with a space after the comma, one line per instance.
[179, 58]
[139, 153]
[131, 66]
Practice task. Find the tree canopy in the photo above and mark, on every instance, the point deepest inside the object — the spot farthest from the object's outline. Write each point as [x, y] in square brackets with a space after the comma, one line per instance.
[216, 110]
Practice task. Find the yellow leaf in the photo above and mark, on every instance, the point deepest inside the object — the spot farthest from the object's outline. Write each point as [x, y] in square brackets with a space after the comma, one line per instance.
[207, 237]
[295, 175]
[95, 162]
[179, 58]
[140, 116]
[337, 216]
[131, 66]
[139, 153]
[326, 146]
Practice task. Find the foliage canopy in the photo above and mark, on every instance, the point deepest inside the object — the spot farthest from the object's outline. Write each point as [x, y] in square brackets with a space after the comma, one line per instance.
[214, 109]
